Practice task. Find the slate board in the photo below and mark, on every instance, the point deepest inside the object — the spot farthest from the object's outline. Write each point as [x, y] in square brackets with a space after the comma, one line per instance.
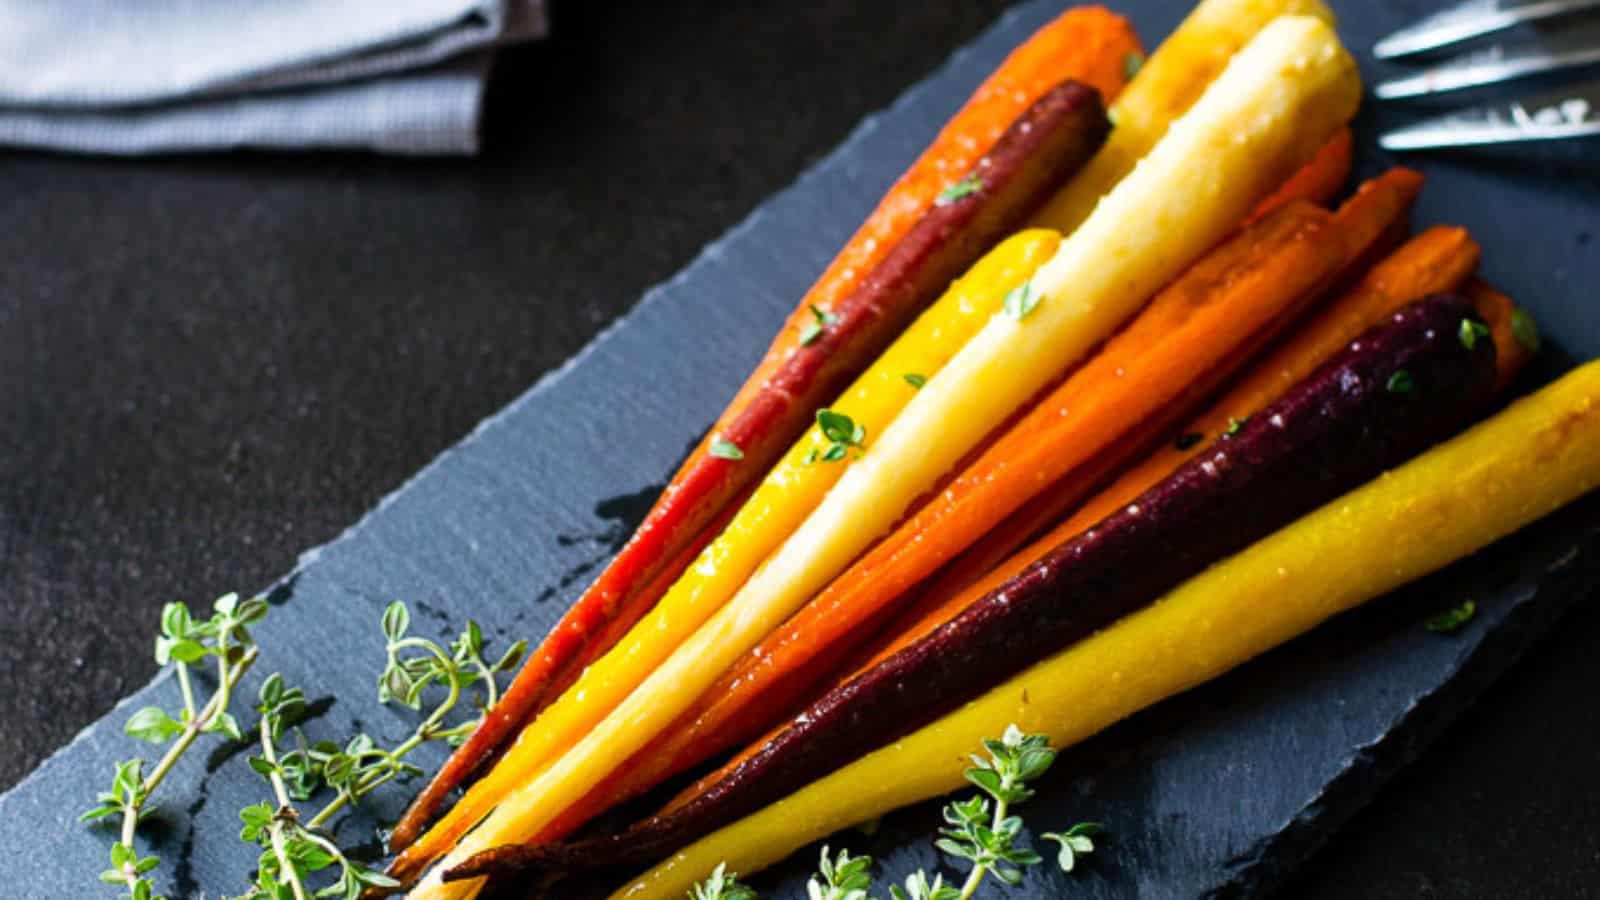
[1217, 792]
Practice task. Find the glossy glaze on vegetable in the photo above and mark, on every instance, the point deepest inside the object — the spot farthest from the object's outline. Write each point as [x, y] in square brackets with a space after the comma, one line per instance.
[1341, 427]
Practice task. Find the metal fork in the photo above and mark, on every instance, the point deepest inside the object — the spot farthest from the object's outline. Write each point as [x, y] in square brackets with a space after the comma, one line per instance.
[1569, 37]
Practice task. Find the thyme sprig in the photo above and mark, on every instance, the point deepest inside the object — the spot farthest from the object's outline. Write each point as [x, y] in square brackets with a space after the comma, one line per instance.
[722, 885]
[980, 830]
[820, 320]
[293, 849]
[183, 642]
[842, 433]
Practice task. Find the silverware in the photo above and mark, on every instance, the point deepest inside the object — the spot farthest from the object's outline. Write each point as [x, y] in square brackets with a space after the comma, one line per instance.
[1473, 18]
[1567, 44]
[1561, 114]
[1577, 45]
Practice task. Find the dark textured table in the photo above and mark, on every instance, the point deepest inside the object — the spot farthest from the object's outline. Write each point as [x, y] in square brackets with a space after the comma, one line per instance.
[209, 364]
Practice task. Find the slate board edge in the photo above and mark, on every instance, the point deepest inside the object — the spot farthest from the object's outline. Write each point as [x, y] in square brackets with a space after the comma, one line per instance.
[1534, 613]
[707, 255]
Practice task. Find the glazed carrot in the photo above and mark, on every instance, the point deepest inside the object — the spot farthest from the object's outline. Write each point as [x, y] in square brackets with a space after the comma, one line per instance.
[1540, 454]
[1328, 434]
[1372, 221]
[1321, 179]
[1428, 265]
[1280, 99]
[1440, 259]
[1170, 81]
[1183, 345]
[773, 678]
[1515, 337]
[784, 498]
[1089, 45]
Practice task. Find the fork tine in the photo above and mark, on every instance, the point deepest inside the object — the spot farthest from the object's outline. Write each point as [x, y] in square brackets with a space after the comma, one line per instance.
[1574, 112]
[1570, 47]
[1470, 19]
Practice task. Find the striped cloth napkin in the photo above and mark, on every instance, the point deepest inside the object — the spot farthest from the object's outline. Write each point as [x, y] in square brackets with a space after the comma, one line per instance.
[167, 76]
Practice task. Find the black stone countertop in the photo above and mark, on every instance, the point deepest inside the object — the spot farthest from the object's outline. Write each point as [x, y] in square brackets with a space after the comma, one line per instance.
[208, 364]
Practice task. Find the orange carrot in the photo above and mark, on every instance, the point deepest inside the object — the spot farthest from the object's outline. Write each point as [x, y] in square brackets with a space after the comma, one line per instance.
[1087, 44]
[1365, 221]
[1192, 334]
[1374, 220]
[1440, 259]
[1514, 338]
[1319, 181]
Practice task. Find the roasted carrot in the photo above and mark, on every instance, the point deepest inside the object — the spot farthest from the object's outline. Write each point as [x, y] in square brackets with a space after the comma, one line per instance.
[1194, 333]
[1257, 127]
[1170, 82]
[758, 690]
[1373, 221]
[1339, 428]
[1056, 133]
[1415, 520]
[1364, 220]
[1440, 259]
[1089, 45]
[784, 498]
[1321, 179]
[1515, 337]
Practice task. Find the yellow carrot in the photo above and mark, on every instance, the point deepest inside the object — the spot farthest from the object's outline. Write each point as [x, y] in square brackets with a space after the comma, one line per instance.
[1538, 455]
[1280, 99]
[785, 497]
[1170, 81]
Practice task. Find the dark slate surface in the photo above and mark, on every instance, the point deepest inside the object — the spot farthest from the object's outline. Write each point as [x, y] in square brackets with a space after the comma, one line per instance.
[1220, 790]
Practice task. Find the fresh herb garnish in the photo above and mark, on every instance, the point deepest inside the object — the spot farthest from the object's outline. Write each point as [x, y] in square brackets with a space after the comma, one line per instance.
[1234, 426]
[183, 641]
[1021, 300]
[1188, 441]
[842, 433]
[722, 885]
[980, 830]
[294, 848]
[1075, 841]
[1525, 329]
[1452, 620]
[726, 450]
[1472, 331]
[820, 319]
[1131, 64]
[292, 852]
[966, 187]
[915, 380]
[1400, 382]
[842, 877]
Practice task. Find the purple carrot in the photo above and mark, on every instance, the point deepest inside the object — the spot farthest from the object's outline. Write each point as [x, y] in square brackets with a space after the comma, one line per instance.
[1396, 390]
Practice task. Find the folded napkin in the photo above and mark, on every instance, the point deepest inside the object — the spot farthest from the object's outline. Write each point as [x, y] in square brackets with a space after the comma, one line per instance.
[159, 76]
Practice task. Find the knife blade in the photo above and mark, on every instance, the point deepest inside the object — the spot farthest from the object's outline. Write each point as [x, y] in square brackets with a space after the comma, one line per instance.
[1471, 19]
[1564, 48]
[1571, 112]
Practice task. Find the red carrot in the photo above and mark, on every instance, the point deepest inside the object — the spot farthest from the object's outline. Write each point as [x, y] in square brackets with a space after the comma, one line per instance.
[1190, 336]
[754, 695]
[1374, 221]
[1054, 136]
[1319, 180]
[1369, 220]
[1397, 390]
